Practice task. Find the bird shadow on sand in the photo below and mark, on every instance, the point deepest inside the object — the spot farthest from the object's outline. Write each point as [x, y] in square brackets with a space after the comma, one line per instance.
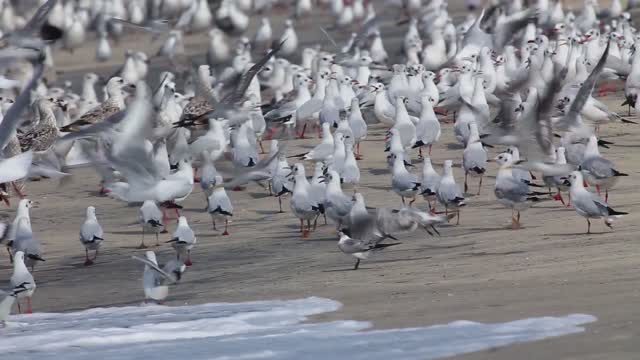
[332, 238]
[379, 171]
[269, 212]
[478, 230]
[490, 253]
[259, 195]
[453, 246]
[127, 232]
[454, 146]
[401, 259]
[345, 269]
[584, 233]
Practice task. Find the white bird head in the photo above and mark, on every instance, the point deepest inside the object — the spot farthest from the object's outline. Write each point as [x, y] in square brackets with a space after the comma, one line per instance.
[91, 211]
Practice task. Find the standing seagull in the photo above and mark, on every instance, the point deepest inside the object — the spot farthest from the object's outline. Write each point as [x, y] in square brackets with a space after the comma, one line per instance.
[337, 205]
[511, 191]
[359, 249]
[23, 278]
[403, 182]
[449, 193]
[303, 204]
[429, 183]
[597, 170]
[219, 205]
[91, 235]
[589, 205]
[150, 217]
[474, 158]
[183, 240]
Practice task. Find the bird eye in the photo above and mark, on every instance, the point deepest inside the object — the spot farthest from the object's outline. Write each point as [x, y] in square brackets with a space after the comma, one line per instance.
[121, 81]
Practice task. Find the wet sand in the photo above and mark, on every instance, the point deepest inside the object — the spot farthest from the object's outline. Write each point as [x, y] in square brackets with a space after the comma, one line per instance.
[480, 270]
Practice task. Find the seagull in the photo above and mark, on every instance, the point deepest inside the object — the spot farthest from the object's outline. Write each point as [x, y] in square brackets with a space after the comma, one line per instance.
[184, 239]
[150, 217]
[91, 235]
[322, 151]
[220, 205]
[511, 191]
[557, 181]
[7, 299]
[156, 279]
[403, 183]
[428, 127]
[597, 170]
[26, 243]
[358, 126]
[22, 212]
[303, 205]
[448, 192]
[115, 103]
[21, 277]
[589, 205]
[359, 249]
[336, 204]
[429, 183]
[474, 157]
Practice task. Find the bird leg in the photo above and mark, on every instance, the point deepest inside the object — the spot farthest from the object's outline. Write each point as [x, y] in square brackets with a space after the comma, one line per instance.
[301, 136]
[430, 146]
[17, 189]
[164, 221]
[261, 147]
[357, 264]
[402, 197]
[598, 190]
[301, 226]
[226, 224]
[188, 262]
[479, 185]
[29, 308]
[157, 240]
[19, 308]
[412, 201]
[606, 195]
[466, 187]
[214, 223]
[569, 203]
[142, 245]
[458, 217]
[446, 212]
[87, 261]
[558, 197]
[280, 204]
[325, 218]
[420, 152]
[588, 226]
[358, 155]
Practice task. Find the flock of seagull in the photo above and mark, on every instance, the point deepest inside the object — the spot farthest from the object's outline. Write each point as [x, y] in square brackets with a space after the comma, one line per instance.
[513, 75]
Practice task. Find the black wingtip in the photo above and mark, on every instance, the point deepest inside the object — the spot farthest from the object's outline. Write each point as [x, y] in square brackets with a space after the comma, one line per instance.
[618, 173]
[49, 32]
[614, 212]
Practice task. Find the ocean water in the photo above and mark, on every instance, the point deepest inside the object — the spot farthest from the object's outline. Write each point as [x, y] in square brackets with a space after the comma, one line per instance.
[254, 330]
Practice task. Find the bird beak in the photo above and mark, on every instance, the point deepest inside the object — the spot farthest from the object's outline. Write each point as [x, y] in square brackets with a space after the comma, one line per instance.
[322, 179]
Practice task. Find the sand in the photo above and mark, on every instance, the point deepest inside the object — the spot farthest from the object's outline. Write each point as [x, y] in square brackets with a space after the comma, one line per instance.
[480, 270]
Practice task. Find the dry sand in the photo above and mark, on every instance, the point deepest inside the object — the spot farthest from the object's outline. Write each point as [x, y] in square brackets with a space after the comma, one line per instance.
[480, 270]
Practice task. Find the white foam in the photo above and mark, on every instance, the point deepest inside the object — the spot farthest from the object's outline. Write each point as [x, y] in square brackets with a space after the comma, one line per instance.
[254, 330]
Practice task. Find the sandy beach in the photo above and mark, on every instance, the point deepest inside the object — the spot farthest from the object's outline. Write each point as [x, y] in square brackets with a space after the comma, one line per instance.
[480, 270]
